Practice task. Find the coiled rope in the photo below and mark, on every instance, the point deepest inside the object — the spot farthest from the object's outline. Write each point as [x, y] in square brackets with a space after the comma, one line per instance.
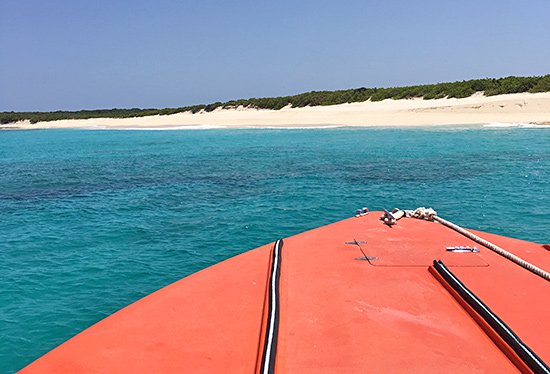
[431, 215]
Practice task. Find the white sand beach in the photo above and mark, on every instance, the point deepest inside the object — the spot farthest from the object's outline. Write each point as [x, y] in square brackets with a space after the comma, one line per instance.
[477, 109]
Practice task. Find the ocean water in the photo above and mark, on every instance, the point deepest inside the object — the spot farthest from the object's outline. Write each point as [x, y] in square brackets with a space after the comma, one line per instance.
[93, 220]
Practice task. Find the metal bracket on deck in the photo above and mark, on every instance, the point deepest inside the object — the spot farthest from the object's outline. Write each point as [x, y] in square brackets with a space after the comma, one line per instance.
[460, 249]
[356, 242]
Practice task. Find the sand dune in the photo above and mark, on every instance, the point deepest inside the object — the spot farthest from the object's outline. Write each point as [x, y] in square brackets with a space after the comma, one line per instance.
[477, 109]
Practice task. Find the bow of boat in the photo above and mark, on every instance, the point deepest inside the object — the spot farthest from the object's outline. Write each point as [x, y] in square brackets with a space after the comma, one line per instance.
[351, 296]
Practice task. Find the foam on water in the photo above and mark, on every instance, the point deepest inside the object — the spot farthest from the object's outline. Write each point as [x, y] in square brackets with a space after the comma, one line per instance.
[168, 128]
[516, 125]
[93, 220]
[234, 127]
[316, 127]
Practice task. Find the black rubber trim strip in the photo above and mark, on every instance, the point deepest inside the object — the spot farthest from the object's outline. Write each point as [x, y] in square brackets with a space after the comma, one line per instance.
[272, 330]
[529, 357]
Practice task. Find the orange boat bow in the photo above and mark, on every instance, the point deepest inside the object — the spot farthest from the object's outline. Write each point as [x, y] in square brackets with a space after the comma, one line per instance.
[354, 296]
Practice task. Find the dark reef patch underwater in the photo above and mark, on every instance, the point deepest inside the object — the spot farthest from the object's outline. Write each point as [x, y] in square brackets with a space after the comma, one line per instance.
[93, 220]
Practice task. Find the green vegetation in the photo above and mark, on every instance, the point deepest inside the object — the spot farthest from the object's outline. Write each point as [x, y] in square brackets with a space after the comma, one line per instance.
[429, 91]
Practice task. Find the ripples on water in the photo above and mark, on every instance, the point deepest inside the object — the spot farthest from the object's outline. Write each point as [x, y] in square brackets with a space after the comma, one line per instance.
[93, 220]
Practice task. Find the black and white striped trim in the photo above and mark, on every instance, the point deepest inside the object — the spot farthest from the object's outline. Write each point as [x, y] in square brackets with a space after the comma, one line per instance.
[529, 357]
[270, 345]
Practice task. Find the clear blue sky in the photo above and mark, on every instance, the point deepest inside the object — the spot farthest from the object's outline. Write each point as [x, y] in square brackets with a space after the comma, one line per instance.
[76, 54]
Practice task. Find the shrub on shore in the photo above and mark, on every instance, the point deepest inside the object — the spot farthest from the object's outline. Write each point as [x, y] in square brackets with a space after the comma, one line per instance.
[489, 86]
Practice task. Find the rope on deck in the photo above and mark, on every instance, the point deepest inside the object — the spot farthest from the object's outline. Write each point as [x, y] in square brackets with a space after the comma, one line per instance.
[431, 215]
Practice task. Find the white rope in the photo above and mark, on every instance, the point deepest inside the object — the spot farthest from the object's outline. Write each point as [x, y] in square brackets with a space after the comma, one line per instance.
[431, 215]
[421, 213]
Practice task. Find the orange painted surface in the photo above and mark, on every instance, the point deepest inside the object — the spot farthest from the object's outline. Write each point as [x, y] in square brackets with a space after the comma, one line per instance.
[338, 314]
[495, 337]
[206, 323]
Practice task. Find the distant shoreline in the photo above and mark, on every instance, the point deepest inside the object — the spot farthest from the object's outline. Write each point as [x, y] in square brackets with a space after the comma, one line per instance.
[525, 108]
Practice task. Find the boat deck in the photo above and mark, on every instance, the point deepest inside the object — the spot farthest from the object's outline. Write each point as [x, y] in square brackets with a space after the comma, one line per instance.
[353, 296]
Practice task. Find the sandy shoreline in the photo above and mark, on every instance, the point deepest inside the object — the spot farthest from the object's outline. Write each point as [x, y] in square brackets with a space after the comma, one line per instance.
[477, 109]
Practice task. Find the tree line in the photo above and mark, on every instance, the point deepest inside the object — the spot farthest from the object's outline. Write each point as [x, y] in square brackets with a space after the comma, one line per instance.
[489, 87]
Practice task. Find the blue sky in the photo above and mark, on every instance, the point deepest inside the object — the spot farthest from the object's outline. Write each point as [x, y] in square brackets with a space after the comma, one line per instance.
[70, 55]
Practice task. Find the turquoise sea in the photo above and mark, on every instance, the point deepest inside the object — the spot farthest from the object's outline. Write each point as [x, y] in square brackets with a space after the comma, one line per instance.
[93, 220]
